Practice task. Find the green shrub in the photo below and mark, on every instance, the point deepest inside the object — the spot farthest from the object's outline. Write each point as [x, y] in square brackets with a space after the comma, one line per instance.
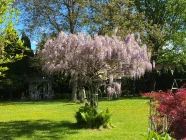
[89, 117]
[155, 136]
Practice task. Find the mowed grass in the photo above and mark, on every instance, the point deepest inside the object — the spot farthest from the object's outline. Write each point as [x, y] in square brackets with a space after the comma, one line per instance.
[43, 120]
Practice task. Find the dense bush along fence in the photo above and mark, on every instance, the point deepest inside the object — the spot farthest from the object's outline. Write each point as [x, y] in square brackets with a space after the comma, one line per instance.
[134, 87]
[130, 87]
[163, 81]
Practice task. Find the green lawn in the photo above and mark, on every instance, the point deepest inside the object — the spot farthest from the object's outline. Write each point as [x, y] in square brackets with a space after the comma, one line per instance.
[55, 120]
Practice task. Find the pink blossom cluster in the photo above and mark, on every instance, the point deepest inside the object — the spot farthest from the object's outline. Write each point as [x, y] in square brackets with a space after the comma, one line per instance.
[92, 56]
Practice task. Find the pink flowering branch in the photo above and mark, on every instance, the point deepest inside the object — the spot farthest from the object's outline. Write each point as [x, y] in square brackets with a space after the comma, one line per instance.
[86, 57]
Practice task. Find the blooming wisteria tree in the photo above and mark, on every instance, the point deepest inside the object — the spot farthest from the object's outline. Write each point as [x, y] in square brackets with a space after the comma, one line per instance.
[91, 59]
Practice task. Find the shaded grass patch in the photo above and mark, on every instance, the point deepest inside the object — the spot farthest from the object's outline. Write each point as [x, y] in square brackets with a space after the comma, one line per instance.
[36, 129]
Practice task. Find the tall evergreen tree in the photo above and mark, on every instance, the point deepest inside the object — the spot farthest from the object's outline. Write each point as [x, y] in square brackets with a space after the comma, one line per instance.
[15, 81]
[8, 36]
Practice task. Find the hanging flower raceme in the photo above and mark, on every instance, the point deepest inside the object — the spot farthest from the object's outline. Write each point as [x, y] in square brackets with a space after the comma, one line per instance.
[89, 56]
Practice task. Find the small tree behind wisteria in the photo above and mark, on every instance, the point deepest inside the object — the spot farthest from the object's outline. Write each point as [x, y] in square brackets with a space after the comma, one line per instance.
[91, 59]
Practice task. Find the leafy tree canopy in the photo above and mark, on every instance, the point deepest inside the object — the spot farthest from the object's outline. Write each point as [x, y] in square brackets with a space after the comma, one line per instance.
[158, 23]
[10, 45]
[53, 16]
[165, 26]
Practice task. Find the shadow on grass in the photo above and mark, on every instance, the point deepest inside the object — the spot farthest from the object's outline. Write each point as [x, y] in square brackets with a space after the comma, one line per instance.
[38, 102]
[39, 129]
[124, 98]
[66, 101]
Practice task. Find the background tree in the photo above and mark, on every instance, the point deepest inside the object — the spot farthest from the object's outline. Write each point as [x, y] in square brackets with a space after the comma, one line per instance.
[119, 16]
[173, 55]
[14, 83]
[53, 16]
[8, 36]
[166, 23]
[20, 66]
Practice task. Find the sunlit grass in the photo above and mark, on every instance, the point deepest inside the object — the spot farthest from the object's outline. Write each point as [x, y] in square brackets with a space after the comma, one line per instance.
[55, 120]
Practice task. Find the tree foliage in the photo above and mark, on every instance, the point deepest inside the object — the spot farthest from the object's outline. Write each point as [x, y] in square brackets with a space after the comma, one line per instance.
[18, 71]
[158, 23]
[118, 16]
[53, 16]
[165, 26]
[10, 45]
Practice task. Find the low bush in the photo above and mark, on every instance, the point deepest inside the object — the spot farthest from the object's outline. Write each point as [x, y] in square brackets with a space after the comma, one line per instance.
[155, 136]
[89, 117]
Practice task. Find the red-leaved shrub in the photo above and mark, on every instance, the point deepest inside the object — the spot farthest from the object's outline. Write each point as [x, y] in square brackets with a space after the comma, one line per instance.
[174, 107]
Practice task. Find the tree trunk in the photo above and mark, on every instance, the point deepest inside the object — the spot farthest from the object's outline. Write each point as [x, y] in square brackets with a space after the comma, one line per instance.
[94, 95]
[74, 90]
[153, 74]
[10, 95]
